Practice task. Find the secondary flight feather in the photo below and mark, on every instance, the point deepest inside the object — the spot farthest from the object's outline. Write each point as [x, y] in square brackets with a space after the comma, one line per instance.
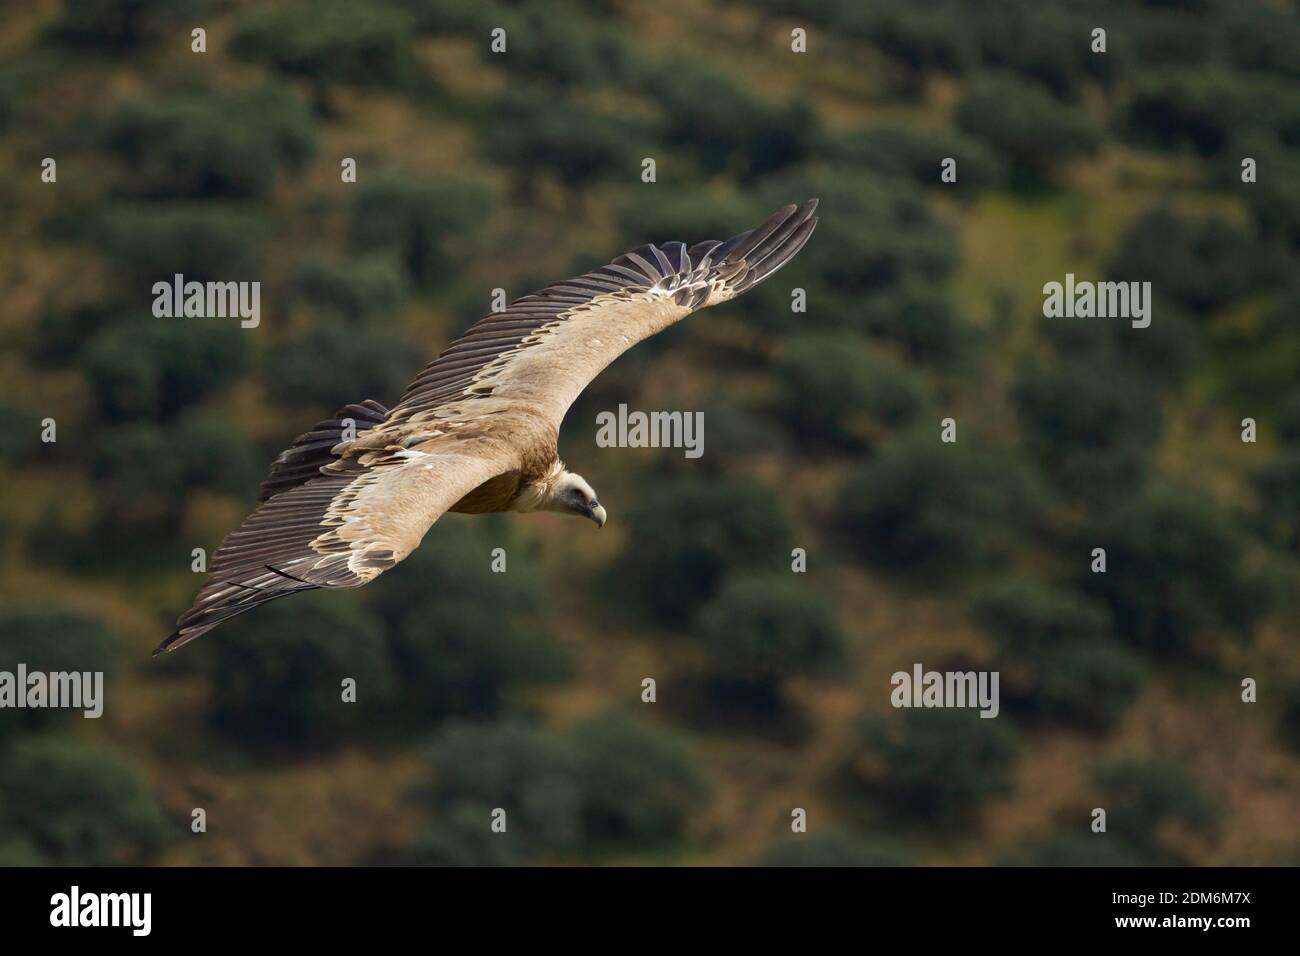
[476, 430]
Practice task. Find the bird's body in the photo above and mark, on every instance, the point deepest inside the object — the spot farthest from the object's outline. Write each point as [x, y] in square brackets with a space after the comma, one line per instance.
[476, 430]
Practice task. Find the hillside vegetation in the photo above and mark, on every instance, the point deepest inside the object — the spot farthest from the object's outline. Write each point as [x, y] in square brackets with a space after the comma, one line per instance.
[479, 170]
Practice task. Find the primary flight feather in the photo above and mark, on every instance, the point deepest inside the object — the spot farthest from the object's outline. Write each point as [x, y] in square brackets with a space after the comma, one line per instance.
[477, 429]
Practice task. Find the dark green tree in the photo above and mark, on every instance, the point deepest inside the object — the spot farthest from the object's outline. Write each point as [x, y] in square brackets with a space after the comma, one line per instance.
[886, 236]
[935, 767]
[640, 783]
[151, 242]
[921, 38]
[836, 390]
[1029, 619]
[145, 473]
[529, 773]
[21, 439]
[328, 41]
[355, 288]
[728, 130]
[1147, 798]
[459, 837]
[424, 222]
[281, 670]
[833, 847]
[335, 362]
[1092, 426]
[921, 503]
[685, 534]
[464, 638]
[536, 132]
[50, 640]
[1021, 122]
[1057, 654]
[123, 24]
[761, 629]
[1174, 572]
[78, 804]
[1091, 684]
[155, 368]
[214, 145]
[1072, 849]
[1209, 110]
[569, 51]
[916, 155]
[1040, 42]
[1199, 264]
[921, 319]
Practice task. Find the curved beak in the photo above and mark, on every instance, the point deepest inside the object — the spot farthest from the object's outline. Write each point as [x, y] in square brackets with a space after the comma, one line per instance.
[597, 514]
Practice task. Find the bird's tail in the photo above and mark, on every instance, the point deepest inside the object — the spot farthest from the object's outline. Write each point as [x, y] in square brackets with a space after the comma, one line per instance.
[302, 460]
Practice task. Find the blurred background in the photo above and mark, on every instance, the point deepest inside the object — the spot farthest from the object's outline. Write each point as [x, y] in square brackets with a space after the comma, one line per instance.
[523, 690]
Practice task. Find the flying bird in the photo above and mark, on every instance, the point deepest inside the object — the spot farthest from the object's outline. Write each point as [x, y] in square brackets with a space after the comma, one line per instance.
[475, 431]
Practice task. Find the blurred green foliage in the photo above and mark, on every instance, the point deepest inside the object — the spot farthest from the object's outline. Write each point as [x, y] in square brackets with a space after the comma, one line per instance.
[833, 848]
[572, 144]
[1057, 653]
[1145, 798]
[479, 170]
[146, 369]
[689, 533]
[72, 802]
[370, 362]
[372, 287]
[1019, 121]
[214, 146]
[1201, 265]
[202, 242]
[1091, 425]
[762, 629]
[1175, 571]
[935, 768]
[608, 780]
[639, 782]
[462, 652]
[281, 673]
[422, 222]
[50, 640]
[921, 504]
[529, 773]
[327, 41]
[837, 390]
[123, 23]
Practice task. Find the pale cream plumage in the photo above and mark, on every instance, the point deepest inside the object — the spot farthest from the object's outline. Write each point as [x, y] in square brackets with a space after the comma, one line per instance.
[475, 431]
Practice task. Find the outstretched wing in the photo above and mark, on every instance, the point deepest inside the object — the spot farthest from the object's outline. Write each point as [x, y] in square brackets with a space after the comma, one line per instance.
[340, 507]
[538, 354]
[340, 529]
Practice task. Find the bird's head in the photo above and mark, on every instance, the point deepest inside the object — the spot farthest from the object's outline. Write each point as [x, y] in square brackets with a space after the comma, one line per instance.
[570, 494]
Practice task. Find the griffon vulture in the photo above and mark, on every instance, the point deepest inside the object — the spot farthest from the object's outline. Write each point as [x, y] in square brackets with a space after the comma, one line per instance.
[475, 432]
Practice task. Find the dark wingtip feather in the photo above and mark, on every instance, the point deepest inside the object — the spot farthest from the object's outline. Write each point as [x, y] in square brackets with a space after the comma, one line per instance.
[773, 244]
[738, 247]
[758, 242]
[172, 641]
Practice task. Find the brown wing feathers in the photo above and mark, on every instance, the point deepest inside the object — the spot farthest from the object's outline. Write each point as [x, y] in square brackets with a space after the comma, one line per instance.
[338, 520]
[245, 573]
[706, 273]
[302, 460]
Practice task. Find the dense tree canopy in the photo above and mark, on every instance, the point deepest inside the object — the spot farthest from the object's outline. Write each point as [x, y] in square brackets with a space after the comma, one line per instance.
[502, 146]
